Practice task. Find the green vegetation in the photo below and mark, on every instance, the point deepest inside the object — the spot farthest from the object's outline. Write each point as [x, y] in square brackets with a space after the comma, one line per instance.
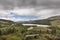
[19, 32]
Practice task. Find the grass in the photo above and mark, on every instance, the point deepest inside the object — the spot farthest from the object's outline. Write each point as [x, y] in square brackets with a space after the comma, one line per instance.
[19, 32]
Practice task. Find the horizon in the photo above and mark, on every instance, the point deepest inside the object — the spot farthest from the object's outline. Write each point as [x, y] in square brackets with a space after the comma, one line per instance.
[30, 20]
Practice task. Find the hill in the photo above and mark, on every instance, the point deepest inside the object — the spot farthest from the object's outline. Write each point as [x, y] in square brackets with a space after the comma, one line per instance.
[5, 23]
[18, 32]
[43, 21]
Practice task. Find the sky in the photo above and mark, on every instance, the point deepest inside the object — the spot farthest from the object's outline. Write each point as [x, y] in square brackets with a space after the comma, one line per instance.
[24, 10]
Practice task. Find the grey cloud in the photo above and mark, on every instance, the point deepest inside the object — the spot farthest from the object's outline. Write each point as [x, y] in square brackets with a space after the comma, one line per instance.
[10, 4]
[39, 7]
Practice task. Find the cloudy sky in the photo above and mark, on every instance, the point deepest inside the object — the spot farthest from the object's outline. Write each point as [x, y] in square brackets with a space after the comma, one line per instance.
[23, 10]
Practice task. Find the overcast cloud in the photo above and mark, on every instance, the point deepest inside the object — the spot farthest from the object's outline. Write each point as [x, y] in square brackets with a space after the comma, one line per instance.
[23, 10]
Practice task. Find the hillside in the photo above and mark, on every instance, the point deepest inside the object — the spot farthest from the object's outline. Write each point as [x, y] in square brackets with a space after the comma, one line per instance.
[44, 21]
[3, 20]
[5, 23]
[18, 32]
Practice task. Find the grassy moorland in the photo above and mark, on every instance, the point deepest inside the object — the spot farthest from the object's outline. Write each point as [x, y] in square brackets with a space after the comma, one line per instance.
[19, 32]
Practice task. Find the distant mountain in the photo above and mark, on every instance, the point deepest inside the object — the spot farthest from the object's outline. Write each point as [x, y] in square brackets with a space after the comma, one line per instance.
[3, 20]
[5, 23]
[43, 21]
[54, 18]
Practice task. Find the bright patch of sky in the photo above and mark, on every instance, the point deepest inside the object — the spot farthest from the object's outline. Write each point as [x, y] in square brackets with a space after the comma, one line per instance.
[25, 16]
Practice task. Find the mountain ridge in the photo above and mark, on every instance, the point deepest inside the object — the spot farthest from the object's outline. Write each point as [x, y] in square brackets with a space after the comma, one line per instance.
[43, 21]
